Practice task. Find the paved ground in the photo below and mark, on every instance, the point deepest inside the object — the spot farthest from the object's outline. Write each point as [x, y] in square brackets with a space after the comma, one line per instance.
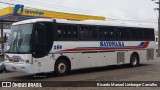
[148, 71]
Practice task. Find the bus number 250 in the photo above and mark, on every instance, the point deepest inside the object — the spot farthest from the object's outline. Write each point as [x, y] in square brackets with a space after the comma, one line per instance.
[57, 47]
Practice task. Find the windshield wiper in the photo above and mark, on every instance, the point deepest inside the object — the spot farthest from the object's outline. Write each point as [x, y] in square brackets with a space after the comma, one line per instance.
[13, 45]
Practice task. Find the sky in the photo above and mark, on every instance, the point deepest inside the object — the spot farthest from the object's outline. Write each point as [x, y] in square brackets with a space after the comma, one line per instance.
[141, 11]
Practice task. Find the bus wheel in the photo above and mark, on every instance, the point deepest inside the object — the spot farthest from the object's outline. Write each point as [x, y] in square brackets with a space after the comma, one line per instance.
[134, 60]
[61, 67]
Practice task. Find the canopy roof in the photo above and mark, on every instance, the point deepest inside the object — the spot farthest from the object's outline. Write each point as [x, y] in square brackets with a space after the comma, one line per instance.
[18, 13]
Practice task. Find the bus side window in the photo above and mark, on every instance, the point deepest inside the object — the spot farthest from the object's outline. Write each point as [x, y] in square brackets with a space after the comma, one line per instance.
[147, 34]
[81, 33]
[118, 33]
[59, 33]
[106, 33]
[126, 34]
[150, 34]
[88, 32]
[134, 34]
[73, 31]
[101, 34]
[67, 31]
[111, 33]
[144, 34]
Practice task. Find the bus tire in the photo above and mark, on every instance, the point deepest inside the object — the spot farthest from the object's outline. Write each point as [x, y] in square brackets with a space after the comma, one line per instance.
[61, 67]
[134, 60]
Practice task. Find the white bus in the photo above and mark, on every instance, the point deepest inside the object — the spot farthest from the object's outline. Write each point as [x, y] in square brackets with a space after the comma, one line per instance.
[46, 45]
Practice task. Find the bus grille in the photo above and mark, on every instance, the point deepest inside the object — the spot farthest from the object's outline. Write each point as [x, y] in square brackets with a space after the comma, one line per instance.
[150, 54]
[120, 57]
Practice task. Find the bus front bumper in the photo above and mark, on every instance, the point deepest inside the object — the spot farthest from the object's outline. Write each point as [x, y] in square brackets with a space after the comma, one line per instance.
[26, 68]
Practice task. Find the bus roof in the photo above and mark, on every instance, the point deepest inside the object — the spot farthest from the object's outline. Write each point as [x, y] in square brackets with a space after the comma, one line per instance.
[85, 22]
[33, 21]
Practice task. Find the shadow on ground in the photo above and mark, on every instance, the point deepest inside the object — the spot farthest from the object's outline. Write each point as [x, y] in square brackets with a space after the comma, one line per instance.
[74, 72]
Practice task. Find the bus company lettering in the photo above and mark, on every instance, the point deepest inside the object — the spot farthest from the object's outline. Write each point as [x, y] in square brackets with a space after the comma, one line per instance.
[19, 9]
[111, 44]
[29, 11]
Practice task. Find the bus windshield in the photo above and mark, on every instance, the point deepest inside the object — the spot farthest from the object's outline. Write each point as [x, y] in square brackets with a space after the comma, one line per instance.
[19, 40]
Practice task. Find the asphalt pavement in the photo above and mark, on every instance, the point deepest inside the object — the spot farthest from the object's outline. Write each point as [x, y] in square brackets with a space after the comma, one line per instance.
[147, 71]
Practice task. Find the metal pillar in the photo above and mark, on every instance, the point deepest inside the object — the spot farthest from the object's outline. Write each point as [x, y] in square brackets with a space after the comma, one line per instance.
[159, 32]
[2, 45]
[157, 2]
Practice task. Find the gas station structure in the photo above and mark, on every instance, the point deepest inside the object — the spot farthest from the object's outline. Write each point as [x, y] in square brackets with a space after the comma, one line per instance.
[18, 12]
